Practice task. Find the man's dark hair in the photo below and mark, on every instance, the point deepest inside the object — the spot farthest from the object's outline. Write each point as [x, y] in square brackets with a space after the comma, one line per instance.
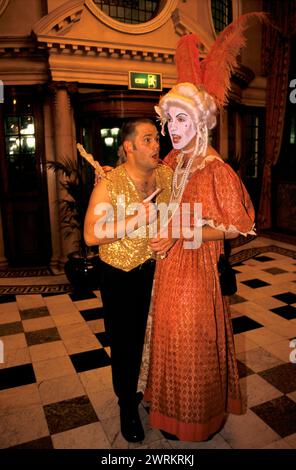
[128, 129]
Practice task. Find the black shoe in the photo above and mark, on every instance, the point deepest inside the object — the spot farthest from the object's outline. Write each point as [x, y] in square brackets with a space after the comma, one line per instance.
[169, 436]
[131, 426]
[139, 397]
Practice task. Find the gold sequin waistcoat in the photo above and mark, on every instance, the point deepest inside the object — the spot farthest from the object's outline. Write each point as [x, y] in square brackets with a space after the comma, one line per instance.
[128, 253]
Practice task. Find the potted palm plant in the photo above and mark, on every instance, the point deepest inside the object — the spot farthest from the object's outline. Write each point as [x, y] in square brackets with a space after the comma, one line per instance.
[82, 266]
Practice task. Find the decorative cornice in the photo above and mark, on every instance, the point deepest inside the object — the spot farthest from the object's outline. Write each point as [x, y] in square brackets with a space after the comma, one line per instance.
[142, 28]
[3, 5]
[60, 20]
[22, 63]
[18, 46]
[91, 48]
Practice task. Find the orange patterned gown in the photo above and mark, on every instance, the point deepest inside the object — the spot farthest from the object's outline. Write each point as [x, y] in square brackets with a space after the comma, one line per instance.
[193, 379]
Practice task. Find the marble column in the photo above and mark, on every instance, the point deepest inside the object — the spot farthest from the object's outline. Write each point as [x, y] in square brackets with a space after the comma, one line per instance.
[63, 145]
[52, 190]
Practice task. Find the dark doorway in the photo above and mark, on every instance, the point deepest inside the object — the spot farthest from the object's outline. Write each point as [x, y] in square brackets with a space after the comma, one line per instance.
[253, 130]
[24, 201]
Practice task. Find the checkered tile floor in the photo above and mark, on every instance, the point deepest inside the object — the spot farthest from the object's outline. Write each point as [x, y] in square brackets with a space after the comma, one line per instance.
[55, 382]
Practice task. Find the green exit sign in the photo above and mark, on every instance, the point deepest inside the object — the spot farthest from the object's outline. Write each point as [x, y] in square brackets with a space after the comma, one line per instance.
[144, 81]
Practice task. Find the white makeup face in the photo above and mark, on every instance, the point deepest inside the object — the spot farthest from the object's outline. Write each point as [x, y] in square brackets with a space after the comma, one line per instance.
[181, 128]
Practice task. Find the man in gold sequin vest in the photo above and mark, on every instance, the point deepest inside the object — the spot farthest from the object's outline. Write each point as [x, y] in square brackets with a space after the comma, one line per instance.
[127, 264]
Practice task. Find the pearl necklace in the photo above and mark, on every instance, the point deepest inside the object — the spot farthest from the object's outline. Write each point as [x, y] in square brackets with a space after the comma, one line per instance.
[178, 188]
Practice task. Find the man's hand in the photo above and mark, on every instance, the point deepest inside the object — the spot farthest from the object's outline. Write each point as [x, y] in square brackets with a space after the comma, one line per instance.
[161, 245]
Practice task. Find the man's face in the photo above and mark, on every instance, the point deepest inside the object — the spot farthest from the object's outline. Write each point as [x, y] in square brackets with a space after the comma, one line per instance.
[145, 146]
[181, 128]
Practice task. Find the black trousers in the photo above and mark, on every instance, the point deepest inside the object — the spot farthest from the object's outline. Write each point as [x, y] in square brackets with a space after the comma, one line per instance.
[126, 301]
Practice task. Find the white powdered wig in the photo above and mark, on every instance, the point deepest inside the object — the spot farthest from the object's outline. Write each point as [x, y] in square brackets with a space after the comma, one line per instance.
[197, 103]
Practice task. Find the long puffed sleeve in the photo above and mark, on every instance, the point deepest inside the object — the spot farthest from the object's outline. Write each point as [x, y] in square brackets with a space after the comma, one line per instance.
[226, 204]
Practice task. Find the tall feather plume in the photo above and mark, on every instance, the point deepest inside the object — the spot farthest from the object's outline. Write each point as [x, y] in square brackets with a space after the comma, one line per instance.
[187, 61]
[221, 60]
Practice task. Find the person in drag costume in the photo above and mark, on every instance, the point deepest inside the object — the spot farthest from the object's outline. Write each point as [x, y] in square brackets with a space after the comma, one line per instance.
[193, 381]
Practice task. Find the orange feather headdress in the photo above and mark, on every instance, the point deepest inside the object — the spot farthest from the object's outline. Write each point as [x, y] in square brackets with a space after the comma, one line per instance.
[214, 72]
[203, 86]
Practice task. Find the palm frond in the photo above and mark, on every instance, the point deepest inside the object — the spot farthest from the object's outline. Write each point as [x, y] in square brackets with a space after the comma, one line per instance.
[73, 204]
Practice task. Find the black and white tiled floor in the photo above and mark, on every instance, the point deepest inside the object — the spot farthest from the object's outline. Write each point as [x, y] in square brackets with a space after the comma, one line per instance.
[55, 381]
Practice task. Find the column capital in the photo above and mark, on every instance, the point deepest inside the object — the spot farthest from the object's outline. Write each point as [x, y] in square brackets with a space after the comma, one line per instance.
[69, 86]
